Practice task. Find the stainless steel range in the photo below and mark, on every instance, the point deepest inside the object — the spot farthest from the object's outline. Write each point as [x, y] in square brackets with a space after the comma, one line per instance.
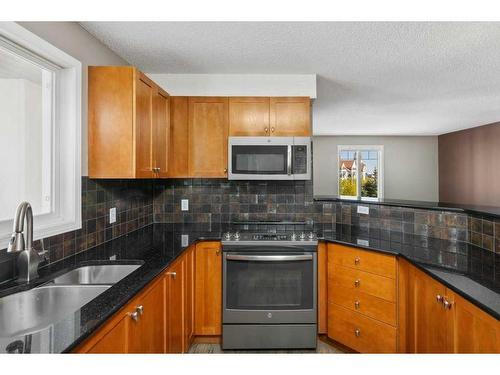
[269, 290]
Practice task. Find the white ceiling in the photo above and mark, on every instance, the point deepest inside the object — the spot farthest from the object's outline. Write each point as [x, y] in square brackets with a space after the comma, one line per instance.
[373, 78]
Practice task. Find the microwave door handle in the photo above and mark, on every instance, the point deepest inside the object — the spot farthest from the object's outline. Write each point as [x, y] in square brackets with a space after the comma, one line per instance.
[289, 160]
[269, 258]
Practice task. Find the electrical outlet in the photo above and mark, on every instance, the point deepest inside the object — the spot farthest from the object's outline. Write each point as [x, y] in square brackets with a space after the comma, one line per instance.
[184, 204]
[112, 257]
[365, 210]
[361, 242]
[184, 240]
[112, 215]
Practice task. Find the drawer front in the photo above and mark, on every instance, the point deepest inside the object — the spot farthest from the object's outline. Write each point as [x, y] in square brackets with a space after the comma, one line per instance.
[365, 304]
[369, 261]
[374, 285]
[359, 332]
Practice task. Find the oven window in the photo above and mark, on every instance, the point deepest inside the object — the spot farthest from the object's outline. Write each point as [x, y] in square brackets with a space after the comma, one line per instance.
[259, 159]
[269, 285]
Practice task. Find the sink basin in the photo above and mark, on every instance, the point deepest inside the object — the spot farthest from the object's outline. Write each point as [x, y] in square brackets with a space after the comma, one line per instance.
[101, 274]
[33, 310]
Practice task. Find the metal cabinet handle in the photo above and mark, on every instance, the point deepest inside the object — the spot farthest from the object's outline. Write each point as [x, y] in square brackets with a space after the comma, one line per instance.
[140, 309]
[357, 283]
[356, 305]
[357, 332]
[447, 304]
[272, 130]
[357, 260]
[266, 130]
[225, 170]
[439, 298]
[217, 252]
[173, 274]
[134, 316]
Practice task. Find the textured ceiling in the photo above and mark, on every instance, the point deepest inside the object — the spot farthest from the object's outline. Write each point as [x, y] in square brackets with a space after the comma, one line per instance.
[373, 78]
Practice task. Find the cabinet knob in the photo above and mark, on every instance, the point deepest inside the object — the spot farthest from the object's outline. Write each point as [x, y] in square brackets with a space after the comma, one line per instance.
[173, 274]
[217, 252]
[140, 309]
[439, 298]
[357, 261]
[266, 129]
[447, 304]
[357, 332]
[357, 283]
[225, 170]
[134, 316]
[356, 305]
[272, 130]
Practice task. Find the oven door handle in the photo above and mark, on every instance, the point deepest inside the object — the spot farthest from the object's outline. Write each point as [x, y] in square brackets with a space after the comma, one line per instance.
[269, 258]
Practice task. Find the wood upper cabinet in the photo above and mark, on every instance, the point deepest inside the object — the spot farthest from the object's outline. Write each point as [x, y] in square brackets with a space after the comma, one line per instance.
[208, 129]
[249, 116]
[125, 118]
[208, 289]
[175, 282]
[161, 134]
[290, 116]
[179, 137]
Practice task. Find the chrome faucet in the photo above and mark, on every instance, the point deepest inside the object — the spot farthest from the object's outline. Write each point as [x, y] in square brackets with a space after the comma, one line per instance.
[28, 259]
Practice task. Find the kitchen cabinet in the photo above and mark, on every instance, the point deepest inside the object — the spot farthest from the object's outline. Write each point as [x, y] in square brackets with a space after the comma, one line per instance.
[128, 124]
[208, 129]
[189, 299]
[440, 321]
[175, 296]
[179, 139]
[208, 289]
[290, 116]
[322, 289]
[362, 299]
[114, 341]
[249, 116]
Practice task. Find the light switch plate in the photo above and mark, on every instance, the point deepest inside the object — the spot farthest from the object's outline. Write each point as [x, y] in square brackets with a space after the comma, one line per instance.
[184, 204]
[365, 210]
[112, 257]
[112, 215]
[184, 240]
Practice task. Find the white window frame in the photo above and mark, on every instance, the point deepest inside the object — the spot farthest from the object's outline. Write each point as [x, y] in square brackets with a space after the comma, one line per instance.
[380, 182]
[66, 138]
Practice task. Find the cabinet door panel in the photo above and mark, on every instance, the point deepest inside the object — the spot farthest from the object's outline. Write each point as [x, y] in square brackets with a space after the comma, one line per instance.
[114, 341]
[208, 289]
[144, 128]
[290, 116]
[175, 305]
[249, 116]
[189, 299]
[161, 139]
[178, 162]
[208, 128]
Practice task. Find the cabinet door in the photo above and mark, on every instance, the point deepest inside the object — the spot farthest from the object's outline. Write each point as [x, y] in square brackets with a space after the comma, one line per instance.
[114, 341]
[179, 137]
[144, 126]
[189, 299]
[161, 139]
[290, 116]
[322, 288]
[175, 305]
[208, 128]
[248, 116]
[474, 331]
[427, 325]
[208, 289]
[147, 333]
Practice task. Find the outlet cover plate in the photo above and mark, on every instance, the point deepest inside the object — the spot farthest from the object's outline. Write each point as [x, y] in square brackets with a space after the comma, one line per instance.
[112, 215]
[184, 204]
[365, 210]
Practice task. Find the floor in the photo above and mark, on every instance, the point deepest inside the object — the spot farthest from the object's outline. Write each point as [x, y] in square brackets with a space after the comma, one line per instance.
[322, 348]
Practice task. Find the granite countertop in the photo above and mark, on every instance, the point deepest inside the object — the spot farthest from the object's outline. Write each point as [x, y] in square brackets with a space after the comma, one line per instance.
[472, 272]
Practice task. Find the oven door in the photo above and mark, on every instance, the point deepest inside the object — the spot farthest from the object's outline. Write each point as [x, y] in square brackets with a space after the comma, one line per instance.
[269, 288]
[260, 158]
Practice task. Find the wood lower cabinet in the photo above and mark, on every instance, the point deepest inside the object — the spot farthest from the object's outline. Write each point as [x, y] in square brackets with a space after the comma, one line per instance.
[208, 129]
[208, 289]
[175, 279]
[128, 127]
[113, 341]
[322, 289]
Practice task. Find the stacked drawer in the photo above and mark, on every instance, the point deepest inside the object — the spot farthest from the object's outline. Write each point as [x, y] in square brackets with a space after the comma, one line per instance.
[362, 296]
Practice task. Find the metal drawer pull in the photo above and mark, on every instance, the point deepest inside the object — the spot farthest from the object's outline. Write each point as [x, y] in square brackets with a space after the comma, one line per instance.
[173, 274]
[134, 316]
[357, 261]
[356, 305]
[269, 258]
[447, 304]
[439, 298]
[357, 283]
[140, 309]
[357, 332]
[266, 129]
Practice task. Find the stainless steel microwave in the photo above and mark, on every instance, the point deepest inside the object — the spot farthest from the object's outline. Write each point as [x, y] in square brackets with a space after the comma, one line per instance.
[269, 158]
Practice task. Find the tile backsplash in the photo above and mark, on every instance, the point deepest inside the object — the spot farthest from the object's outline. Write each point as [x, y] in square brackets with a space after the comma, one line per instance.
[218, 201]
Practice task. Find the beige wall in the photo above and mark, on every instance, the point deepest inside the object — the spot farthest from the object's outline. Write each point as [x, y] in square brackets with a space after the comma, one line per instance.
[73, 39]
[410, 165]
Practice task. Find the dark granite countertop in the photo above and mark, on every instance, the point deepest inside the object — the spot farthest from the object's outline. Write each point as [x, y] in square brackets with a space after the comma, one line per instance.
[157, 245]
[486, 211]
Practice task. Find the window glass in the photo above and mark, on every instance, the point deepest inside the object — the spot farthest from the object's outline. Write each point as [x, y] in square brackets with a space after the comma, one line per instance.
[369, 174]
[348, 174]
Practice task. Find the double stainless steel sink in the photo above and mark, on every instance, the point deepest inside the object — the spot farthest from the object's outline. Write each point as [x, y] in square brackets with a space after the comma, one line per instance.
[33, 310]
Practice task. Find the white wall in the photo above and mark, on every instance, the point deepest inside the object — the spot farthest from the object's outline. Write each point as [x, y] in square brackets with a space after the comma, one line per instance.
[73, 39]
[410, 165]
[237, 84]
